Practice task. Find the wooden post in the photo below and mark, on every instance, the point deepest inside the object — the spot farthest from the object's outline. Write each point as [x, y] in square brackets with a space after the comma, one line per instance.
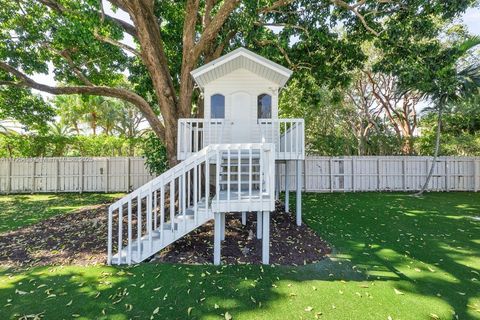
[287, 187]
[298, 208]
[259, 225]
[330, 167]
[244, 218]
[9, 175]
[217, 238]
[33, 177]
[277, 181]
[404, 174]
[353, 174]
[222, 230]
[80, 176]
[128, 175]
[475, 186]
[266, 237]
[57, 174]
[378, 174]
[447, 175]
[106, 175]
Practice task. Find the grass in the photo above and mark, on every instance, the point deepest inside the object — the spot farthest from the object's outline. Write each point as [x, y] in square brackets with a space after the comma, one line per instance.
[21, 210]
[397, 256]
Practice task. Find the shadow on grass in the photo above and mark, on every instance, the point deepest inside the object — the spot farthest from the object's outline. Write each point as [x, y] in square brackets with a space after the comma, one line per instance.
[431, 243]
[425, 248]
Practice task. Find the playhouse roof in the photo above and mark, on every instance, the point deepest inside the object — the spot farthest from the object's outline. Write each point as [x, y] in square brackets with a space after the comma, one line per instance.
[241, 58]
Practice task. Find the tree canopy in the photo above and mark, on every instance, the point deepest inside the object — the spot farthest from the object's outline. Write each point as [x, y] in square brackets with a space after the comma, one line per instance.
[82, 45]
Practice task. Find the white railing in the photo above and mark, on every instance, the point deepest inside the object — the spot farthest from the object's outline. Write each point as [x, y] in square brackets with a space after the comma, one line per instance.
[196, 134]
[288, 135]
[163, 204]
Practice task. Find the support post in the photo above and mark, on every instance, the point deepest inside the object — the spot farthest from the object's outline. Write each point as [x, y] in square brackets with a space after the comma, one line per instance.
[217, 239]
[287, 200]
[277, 181]
[259, 224]
[244, 218]
[222, 230]
[298, 208]
[266, 237]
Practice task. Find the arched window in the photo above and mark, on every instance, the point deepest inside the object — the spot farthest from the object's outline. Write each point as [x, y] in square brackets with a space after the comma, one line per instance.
[264, 106]
[217, 106]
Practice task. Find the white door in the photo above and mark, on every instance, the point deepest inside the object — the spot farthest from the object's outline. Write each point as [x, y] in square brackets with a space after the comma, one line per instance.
[242, 117]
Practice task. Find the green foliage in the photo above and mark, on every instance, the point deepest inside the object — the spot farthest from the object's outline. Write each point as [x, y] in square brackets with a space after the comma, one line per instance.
[68, 146]
[155, 154]
[29, 109]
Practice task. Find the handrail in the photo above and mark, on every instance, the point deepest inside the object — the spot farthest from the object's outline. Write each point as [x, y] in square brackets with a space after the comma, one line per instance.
[179, 186]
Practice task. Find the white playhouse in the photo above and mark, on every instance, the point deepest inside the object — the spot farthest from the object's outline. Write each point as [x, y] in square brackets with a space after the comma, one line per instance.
[229, 163]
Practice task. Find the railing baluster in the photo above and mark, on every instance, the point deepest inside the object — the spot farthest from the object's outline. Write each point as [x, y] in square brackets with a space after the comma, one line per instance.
[129, 213]
[261, 177]
[172, 204]
[155, 209]
[195, 189]
[120, 231]
[188, 188]
[218, 178]
[162, 211]
[207, 182]
[184, 199]
[228, 173]
[109, 240]
[250, 169]
[149, 218]
[239, 185]
[139, 227]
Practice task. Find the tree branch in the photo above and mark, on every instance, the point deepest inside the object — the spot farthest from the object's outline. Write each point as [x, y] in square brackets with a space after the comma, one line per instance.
[354, 8]
[120, 93]
[116, 43]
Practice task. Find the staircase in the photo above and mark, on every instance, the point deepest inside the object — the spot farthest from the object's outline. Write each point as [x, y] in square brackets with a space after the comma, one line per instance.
[217, 179]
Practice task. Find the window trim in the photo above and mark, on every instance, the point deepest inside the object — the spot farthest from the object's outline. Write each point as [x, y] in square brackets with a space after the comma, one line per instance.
[258, 105]
[211, 106]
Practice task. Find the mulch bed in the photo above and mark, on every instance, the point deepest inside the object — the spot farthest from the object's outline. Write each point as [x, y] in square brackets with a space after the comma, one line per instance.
[289, 244]
[80, 238]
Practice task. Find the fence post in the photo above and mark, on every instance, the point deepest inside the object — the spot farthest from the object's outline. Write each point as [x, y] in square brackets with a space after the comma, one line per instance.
[56, 174]
[9, 175]
[353, 174]
[404, 174]
[33, 176]
[106, 175]
[378, 174]
[447, 168]
[80, 176]
[128, 175]
[475, 185]
[331, 173]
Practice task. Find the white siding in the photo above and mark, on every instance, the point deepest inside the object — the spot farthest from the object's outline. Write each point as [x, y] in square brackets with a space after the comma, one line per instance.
[241, 80]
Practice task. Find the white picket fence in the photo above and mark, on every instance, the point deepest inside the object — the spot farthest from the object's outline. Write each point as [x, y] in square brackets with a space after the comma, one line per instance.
[385, 173]
[320, 174]
[35, 175]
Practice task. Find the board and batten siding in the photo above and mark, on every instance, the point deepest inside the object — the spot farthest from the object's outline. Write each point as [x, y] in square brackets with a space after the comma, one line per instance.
[99, 174]
[384, 173]
[319, 174]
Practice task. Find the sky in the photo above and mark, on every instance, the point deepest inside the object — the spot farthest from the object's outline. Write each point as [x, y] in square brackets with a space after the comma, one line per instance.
[471, 19]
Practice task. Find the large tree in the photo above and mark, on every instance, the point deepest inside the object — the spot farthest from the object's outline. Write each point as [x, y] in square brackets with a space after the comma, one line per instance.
[82, 45]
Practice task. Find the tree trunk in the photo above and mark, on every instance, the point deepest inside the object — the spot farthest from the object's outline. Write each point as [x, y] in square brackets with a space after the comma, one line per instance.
[435, 155]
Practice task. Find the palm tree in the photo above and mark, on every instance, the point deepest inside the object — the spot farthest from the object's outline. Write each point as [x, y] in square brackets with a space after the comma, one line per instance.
[452, 85]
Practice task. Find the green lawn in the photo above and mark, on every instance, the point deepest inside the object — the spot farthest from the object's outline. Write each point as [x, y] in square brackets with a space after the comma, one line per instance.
[20, 210]
[398, 257]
